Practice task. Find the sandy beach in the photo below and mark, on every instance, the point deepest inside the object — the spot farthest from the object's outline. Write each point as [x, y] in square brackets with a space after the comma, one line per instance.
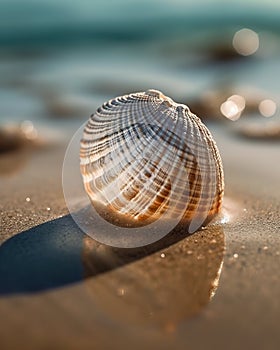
[61, 289]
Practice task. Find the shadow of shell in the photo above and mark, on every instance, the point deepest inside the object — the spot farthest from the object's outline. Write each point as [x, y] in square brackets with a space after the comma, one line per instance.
[157, 285]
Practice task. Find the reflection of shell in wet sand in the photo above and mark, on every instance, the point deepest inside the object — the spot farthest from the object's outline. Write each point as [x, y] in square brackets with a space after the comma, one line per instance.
[152, 287]
[143, 155]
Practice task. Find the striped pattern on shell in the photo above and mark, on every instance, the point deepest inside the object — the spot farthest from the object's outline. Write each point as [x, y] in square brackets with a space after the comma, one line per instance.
[142, 154]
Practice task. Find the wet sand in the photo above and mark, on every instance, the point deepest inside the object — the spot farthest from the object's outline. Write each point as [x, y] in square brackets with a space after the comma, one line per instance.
[218, 288]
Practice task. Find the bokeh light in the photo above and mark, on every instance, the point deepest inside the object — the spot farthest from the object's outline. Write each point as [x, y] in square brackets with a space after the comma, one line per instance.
[28, 129]
[239, 101]
[232, 108]
[267, 108]
[246, 42]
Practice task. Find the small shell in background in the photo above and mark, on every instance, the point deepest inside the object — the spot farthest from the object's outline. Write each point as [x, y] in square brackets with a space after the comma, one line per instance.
[144, 157]
[269, 131]
[14, 137]
[16, 142]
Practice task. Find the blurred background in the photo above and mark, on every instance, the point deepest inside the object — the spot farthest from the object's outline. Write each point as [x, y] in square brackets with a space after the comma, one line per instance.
[59, 60]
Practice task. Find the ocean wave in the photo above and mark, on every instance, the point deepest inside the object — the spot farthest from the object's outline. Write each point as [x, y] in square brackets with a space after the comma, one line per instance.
[28, 22]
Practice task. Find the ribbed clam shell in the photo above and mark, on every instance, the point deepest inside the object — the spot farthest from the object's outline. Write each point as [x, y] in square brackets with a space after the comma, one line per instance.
[143, 154]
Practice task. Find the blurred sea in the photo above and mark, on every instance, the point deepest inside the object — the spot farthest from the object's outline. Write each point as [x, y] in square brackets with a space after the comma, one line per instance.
[31, 22]
[61, 59]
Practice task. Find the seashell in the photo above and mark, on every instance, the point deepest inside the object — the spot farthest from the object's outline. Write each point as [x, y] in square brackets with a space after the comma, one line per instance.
[144, 157]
